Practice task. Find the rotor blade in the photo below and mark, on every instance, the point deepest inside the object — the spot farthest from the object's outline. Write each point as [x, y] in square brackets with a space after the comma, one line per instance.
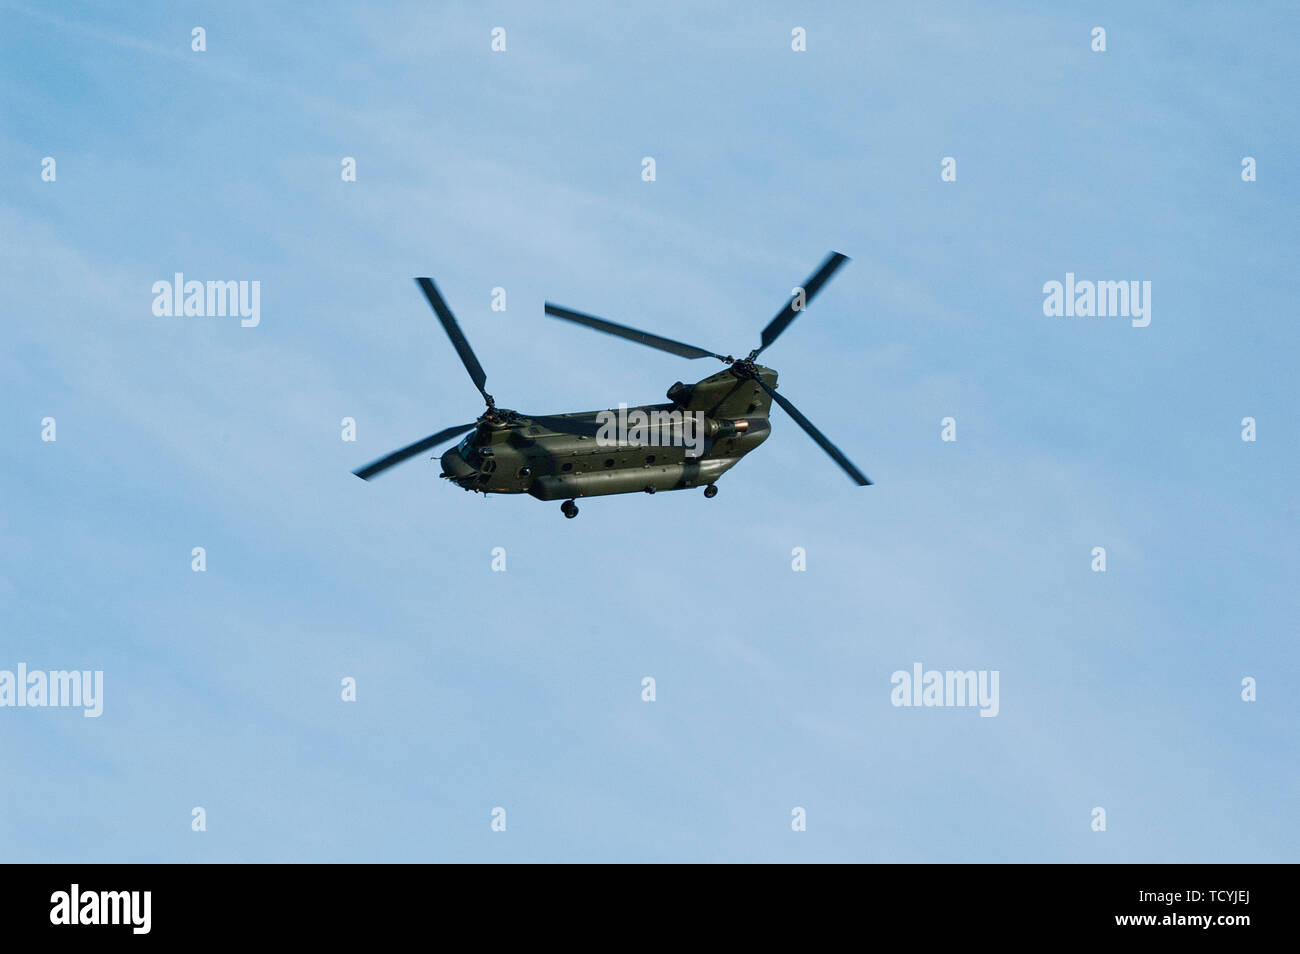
[858, 476]
[410, 450]
[632, 334]
[458, 339]
[810, 288]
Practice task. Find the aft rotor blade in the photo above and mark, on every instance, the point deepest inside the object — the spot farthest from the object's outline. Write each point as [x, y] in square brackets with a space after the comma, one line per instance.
[858, 476]
[458, 339]
[810, 288]
[410, 450]
[632, 334]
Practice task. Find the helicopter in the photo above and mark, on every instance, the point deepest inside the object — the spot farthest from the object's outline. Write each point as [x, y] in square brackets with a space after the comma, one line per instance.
[704, 430]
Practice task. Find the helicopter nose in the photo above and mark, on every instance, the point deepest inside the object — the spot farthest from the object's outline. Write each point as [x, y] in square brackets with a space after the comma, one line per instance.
[455, 466]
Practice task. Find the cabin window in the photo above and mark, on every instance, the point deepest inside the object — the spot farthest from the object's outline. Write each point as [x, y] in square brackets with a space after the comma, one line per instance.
[650, 458]
[609, 462]
[566, 467]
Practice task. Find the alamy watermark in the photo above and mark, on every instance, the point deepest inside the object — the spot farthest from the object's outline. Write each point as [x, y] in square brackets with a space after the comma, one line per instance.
[1089, 299]
[655, 428]
[946, 688]
[128, 908]
[193, 299]
[56, 688]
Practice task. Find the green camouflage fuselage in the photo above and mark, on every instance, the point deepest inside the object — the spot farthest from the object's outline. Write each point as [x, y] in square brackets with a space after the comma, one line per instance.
[565, 456]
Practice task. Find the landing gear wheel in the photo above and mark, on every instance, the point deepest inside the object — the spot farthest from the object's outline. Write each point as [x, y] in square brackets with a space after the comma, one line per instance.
[711, 490]
[569, 509]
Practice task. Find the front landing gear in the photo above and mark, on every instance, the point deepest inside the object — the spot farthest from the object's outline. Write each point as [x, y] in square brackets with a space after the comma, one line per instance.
[569, 509]
[711, 490]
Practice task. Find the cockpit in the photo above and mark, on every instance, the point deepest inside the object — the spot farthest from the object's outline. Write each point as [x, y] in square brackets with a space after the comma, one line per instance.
[467, 459]
[466, 448]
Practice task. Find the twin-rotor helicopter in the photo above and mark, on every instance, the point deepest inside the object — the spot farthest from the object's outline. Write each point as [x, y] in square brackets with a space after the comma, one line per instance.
[569, 456]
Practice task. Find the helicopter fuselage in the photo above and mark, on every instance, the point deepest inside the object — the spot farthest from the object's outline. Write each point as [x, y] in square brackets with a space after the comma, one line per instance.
[566, 456]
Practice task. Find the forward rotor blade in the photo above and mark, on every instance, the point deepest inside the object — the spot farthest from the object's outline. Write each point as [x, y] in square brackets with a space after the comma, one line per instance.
[458, 339]
[632, 334]
[810, 288]
[410, 450]
[858, 476]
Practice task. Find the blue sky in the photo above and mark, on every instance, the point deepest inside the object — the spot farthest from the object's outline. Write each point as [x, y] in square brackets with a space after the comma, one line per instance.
[523, 689]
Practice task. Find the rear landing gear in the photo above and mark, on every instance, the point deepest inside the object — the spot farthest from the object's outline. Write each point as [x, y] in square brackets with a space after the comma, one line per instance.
[711, 490]
[569, 509]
